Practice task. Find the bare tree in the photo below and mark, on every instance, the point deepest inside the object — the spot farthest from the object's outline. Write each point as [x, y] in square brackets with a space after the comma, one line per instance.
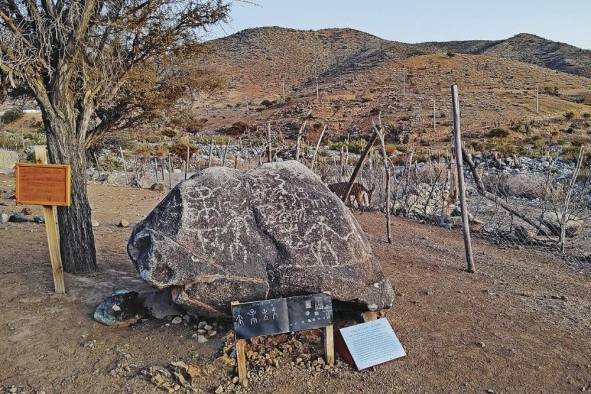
[76, 58]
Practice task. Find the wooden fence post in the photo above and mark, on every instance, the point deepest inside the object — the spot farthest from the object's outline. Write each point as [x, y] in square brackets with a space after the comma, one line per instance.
[299, 140]
[224, 155]
[124, 166]
[210, 153]
[317, 147]
[169, 172]
[269, 146]
[240, 355]
[461, 183]
[187, 162]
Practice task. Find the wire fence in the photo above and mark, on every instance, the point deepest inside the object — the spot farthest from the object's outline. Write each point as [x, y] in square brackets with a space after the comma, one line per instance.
[521, 202]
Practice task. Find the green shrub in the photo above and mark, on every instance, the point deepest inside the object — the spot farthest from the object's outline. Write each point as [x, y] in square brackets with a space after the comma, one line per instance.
[171, 133]
[499, 132]
[552, 91]
[12, 115]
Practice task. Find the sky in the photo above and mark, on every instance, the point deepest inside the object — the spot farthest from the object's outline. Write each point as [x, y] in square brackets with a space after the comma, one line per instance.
[422, 20]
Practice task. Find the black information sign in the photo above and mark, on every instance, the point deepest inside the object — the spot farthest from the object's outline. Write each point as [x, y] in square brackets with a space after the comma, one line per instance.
[281, 315]
[259, 318]
[308, 312]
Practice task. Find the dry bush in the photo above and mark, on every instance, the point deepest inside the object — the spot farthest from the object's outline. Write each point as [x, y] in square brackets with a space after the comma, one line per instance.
[527, 186]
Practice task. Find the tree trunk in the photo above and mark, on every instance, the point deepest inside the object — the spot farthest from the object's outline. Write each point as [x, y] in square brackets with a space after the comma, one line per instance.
[76, 236]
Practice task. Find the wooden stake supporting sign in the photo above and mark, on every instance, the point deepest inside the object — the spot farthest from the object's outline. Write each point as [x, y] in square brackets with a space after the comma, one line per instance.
[47, 185]
[279, 316]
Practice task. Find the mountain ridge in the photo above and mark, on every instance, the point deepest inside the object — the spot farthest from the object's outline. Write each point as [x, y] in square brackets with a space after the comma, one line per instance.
[350, 47]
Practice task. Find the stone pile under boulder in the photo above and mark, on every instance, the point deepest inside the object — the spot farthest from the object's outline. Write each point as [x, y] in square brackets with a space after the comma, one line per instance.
[274, 231]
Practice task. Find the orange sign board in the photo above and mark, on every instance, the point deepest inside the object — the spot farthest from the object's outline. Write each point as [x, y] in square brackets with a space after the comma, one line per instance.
[43, 184]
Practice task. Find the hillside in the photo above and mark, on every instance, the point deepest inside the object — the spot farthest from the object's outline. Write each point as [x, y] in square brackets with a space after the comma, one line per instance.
[278, 55]
[529, 48]
[360, 75]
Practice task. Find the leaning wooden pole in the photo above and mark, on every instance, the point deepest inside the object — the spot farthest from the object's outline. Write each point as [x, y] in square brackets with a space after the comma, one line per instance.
[359, 164]
[461, 183]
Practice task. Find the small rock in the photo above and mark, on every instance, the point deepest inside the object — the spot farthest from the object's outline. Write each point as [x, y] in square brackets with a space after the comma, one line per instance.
[4, 218]
[39, 219]
[177, 320]
[121, 309]
[27, 211]
[123, 223]
[94, 223]
[235, 379]
[219, 390]
[207, 327]
[18, 218]
[212, 333]
[490, 391]
[480, 344]
[201, 339]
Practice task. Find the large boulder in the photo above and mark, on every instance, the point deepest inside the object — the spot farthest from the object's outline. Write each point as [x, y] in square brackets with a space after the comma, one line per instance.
[274, 231]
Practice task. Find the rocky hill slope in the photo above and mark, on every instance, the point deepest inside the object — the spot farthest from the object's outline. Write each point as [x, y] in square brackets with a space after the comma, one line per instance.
[529, 48]
[273, 73]
[294, 56]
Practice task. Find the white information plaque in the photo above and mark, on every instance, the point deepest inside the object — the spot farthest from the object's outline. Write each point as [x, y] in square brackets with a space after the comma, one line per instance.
[372, 343]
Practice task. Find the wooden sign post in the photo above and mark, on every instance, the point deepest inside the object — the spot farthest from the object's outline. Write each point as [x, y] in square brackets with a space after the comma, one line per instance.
[47, 185]
[279, 316]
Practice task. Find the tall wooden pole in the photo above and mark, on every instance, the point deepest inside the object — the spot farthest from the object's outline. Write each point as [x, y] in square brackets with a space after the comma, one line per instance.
[461, 184]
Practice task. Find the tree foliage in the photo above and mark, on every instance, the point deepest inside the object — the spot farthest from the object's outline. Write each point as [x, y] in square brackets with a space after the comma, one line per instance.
[104, 65]
[94, 66]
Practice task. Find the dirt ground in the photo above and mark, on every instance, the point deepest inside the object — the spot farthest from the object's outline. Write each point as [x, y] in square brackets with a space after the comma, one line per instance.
[521, 324]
